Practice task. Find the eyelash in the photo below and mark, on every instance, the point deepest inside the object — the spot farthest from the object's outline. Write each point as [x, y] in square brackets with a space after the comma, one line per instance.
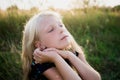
[50, 30]
[53, 28]
[61, 25]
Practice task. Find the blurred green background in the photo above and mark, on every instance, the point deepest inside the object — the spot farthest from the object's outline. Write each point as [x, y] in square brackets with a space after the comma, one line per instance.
[96, 29]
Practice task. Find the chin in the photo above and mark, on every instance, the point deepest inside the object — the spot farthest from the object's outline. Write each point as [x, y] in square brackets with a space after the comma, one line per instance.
[64, 47]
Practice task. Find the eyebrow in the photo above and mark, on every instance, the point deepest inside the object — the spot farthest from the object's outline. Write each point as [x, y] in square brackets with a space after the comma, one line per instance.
[47, 27]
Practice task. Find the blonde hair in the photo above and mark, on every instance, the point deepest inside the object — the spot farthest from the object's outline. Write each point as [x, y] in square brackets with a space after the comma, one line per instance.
[30, 35]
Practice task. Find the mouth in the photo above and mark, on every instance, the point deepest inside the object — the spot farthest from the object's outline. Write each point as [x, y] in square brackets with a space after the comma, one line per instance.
[64, 37]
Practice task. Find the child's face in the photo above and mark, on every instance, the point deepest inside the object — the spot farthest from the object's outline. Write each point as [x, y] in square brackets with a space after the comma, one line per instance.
[53, 33]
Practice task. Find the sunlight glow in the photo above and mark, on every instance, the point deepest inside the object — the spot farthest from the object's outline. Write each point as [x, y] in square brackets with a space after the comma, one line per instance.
[57, 4]
[60, 4]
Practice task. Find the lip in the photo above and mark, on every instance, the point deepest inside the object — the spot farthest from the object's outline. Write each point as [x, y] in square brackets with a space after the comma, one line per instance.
[64, 37]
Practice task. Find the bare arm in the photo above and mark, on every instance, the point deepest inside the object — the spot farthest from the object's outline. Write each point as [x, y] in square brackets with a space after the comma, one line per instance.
[85, 71]
[52, 74]
[83, 68]
[65, 70]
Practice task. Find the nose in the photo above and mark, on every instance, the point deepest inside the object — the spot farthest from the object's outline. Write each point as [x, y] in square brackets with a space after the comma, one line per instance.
[61, 30]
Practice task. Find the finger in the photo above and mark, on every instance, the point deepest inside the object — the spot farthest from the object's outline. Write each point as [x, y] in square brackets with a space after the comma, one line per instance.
[37, 55]
[37, 59]
[50, 49]
[37, 52]
[37, 62]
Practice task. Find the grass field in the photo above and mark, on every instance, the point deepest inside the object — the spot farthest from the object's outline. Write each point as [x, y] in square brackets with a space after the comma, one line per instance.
[96, 30]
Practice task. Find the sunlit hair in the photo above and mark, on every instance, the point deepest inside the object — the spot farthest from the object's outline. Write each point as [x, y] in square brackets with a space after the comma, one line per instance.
[30, 35]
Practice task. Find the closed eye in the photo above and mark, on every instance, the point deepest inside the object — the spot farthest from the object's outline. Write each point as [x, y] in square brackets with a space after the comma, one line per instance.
[61, 25]
[51, 30]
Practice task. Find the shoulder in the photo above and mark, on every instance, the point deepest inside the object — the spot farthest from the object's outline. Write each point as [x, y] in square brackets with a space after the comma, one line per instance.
[37, 70]
[41, 67]
[81, 56]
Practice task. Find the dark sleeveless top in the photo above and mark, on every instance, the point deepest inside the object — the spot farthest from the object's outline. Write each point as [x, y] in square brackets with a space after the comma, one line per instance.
[38, 69]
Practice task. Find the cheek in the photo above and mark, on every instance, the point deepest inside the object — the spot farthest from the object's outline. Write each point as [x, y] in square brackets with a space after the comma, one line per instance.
[50, 41]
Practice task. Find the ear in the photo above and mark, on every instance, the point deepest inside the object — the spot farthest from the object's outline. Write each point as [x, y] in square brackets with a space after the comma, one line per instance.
[38, 44]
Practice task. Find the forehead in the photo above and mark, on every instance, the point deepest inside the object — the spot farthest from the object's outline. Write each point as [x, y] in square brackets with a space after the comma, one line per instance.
[49, 20]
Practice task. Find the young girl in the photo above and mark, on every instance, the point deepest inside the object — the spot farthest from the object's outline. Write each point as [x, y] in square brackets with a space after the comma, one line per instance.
[49, 52]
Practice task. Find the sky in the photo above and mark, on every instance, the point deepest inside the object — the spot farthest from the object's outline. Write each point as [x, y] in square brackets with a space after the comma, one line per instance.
[61, 4]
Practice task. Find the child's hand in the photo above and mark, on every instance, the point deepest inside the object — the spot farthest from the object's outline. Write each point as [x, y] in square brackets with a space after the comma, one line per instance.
[64, 54]
[44, 56]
